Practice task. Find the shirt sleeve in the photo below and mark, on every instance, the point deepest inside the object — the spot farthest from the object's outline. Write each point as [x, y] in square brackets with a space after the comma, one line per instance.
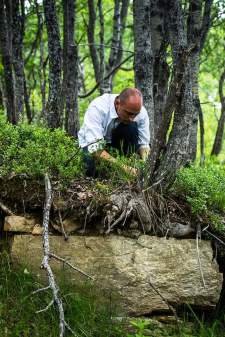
[92, 130]
[143, 130]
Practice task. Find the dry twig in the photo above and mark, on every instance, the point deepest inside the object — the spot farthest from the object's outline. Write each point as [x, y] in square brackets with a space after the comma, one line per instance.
[6, 209]
[198, 237]
[70, 265]
[45, 264]
[168, 304]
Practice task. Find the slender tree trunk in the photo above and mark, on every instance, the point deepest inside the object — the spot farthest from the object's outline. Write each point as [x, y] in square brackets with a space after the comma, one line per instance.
[102, 47]
[202, 133]
[101, 67]
[1, 98]
[70, 68]
[143, 60]
[17, 52]
[160, 68]
[53, 110]
[91, 40]
[5, 47]
[217, 146]
[116, 50]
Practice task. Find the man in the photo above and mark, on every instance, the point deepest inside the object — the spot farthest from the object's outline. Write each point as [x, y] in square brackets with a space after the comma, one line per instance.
[121, 122]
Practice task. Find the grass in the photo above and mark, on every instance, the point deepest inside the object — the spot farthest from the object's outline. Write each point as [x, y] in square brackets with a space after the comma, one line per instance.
[87, 309]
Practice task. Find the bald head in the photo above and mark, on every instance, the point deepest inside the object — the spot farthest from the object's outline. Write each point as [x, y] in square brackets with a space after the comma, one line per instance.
[128, 104]
[130, 92]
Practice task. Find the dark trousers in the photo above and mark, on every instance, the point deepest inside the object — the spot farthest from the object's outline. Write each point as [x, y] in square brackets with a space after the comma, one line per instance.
[124, 139]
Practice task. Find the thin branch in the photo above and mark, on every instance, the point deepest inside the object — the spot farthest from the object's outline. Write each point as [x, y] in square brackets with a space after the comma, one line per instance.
[198, 236]
[62, 226]
[168, 304]
[46, 308]
[107, 46]
[105, 78]
[6, 209]
[70, 265]
[45, 262]
[40, 290]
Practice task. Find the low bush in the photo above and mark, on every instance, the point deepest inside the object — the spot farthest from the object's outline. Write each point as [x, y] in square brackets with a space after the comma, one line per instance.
[204, 189]
[33, 150]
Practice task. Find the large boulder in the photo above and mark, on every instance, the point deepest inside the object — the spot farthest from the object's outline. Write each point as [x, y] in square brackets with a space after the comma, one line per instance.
[134, 269]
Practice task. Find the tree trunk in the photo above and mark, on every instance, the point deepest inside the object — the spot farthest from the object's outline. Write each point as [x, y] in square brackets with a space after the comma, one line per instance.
[217, 146]
[70, 68]
[5, 32]
[104, 73]
[91, 40]
[17, 54]
[143, 60]
[55, 65]
[186, 39]
[202, 133]
[160, 68]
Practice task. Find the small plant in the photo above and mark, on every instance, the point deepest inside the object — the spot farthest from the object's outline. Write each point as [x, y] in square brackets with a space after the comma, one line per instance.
[140, 325]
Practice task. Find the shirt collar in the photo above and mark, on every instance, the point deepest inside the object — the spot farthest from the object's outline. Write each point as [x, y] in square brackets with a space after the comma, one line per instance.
[113, 113]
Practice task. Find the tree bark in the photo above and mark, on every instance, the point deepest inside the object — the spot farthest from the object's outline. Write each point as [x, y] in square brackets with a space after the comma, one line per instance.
[186, 40]
[53, 111]
[202, 133]
[17, 54]
[143, 59]
[70, 68]
[5, 47]
[160, 69]
[217, 146]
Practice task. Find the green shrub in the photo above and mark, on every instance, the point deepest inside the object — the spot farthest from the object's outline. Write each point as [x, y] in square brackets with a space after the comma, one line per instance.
[203, 187]
[32, 150]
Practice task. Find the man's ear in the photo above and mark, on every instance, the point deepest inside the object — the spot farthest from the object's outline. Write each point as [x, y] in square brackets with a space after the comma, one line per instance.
[117, 101]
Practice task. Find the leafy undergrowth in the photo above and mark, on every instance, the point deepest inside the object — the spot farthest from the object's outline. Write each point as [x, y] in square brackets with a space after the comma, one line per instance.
[33, 150]
[204, 190]
[89, 312]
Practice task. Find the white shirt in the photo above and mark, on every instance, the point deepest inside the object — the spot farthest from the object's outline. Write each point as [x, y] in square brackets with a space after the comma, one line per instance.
[101, 118]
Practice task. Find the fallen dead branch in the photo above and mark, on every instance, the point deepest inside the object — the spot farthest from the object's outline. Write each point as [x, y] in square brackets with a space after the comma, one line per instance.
[6, 209]
[168, 304]
[63, 325]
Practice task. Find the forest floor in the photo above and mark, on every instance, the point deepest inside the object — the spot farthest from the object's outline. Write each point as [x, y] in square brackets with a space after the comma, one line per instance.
[89, 311]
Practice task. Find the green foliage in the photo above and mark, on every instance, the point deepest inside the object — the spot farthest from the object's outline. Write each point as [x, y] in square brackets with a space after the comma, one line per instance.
[140, 325]
[87, 310]
[32, 150]
[204, 189]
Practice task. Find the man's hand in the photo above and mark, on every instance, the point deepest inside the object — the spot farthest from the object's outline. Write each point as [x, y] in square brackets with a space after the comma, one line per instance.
[106, 156]
[144, 152]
